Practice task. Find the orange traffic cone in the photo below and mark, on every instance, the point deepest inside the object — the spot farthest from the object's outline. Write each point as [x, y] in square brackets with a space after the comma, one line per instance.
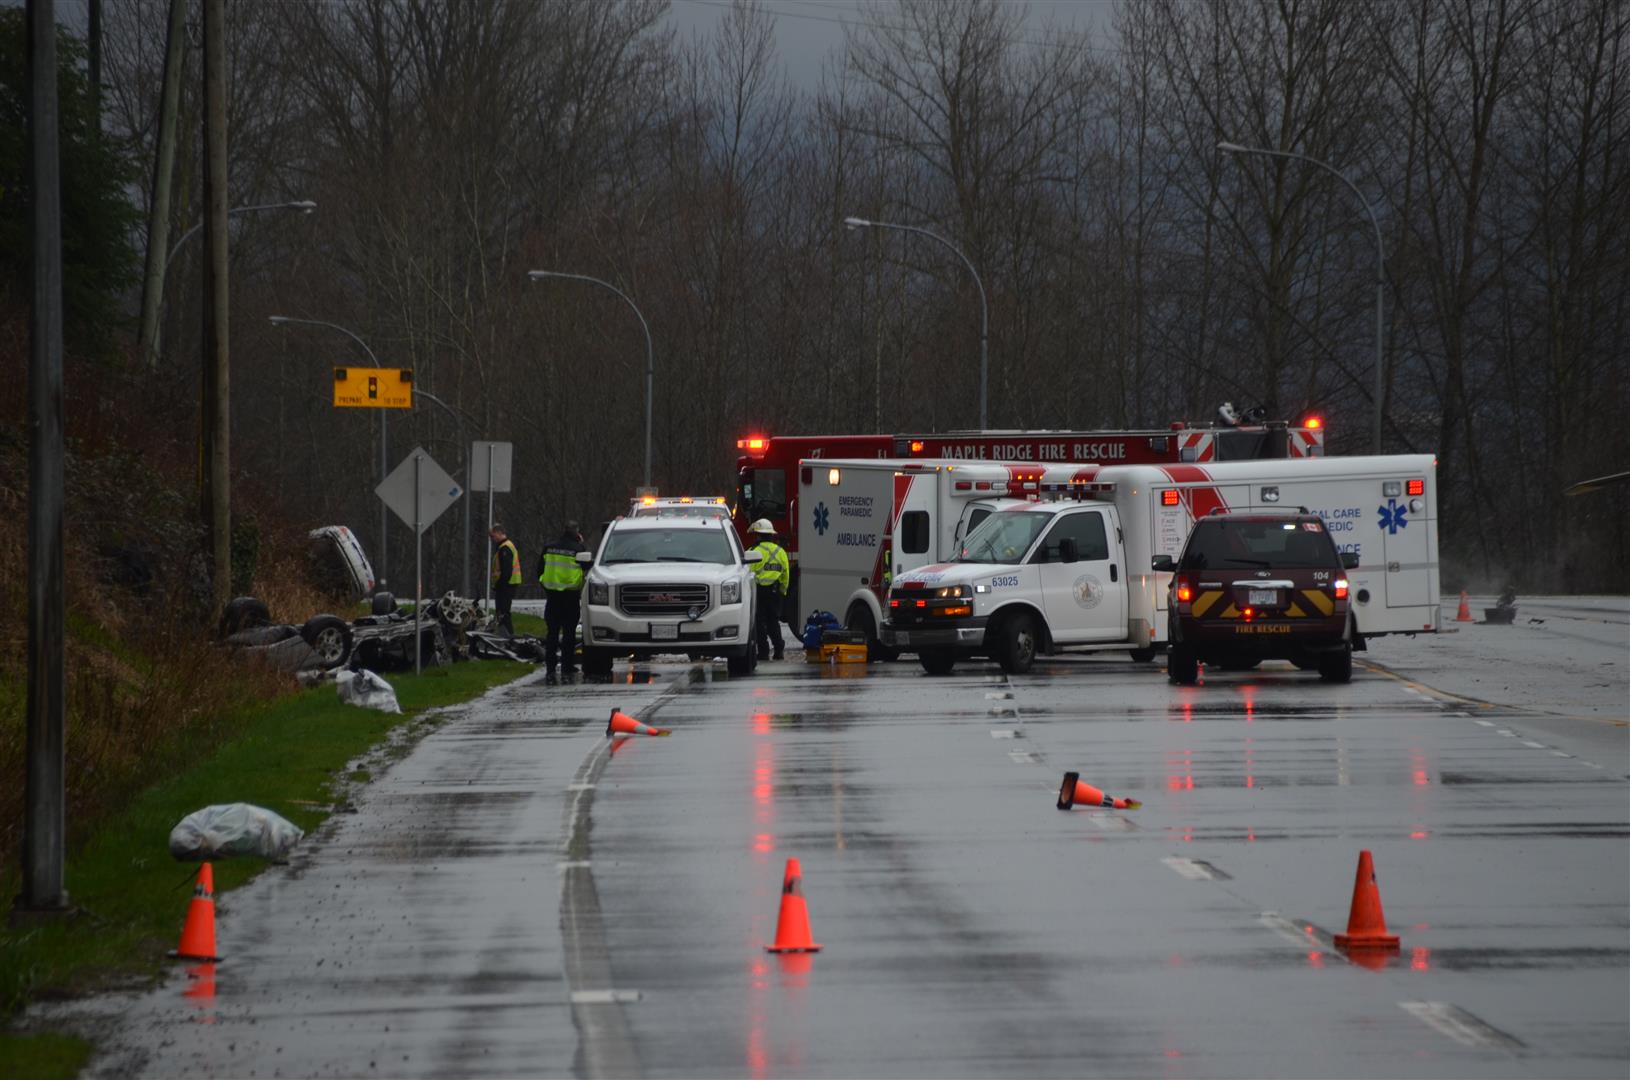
[792, 926]
[1366, 923]
[1465, 612]
[1076, 790]
[198, 934]
[623, 724]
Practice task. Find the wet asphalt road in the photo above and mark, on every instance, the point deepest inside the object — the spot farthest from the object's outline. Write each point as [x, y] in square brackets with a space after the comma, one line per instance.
[514, 899]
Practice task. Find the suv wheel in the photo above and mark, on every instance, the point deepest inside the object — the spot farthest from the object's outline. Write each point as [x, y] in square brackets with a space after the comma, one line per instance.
[1337, 667]
[1143, 656]
[1182, 665]
[1017, 644]
[596, 661]
[742, 662]
[937, 661]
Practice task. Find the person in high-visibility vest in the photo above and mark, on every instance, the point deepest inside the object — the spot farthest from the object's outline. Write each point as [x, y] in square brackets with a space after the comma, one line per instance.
[506, 575]
[773, 574]
[561, 576]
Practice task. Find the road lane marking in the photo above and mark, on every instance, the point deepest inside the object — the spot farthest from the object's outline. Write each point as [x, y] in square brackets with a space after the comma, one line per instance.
[604, 997]
[1506, 732]
[1023, 757]
[580, 787]
[1302, 935]
[1460, 1025]
[1111, 823]
[1535, 745]
[573, 864]
[1004, 733]
[1003, 696]
[1484, 723]
[1195, 869]
[1561, 753]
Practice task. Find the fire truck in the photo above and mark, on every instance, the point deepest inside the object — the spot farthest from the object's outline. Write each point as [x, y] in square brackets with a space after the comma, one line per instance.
[767, 468]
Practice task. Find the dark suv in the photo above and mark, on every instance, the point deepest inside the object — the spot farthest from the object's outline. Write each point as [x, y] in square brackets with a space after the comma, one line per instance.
[1259, 586]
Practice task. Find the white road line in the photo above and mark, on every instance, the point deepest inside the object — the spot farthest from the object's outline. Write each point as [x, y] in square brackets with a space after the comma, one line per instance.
[1193, 869]
[574, 864]
[1507, 734]
[1459, 1025]
[1292, 933]
[1484, 723]
[1023, 757]
[1002, 696]
[1589, 764]
[604, 997]
[1535, 745]
[580, 787]
[1004, 733]
[1561, 753]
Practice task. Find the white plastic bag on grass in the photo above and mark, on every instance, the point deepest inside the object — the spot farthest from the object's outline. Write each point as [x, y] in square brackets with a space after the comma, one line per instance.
[368, 690]
[219, 832]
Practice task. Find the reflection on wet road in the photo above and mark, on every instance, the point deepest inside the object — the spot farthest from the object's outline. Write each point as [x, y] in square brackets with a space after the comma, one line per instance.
[973, 929]
[521, 895]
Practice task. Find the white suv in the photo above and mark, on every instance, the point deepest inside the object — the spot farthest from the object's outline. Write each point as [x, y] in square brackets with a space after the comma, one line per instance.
[669, 585]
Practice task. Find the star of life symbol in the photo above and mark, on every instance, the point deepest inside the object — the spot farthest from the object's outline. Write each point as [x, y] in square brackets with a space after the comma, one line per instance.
[1392, 516]
[822, 519]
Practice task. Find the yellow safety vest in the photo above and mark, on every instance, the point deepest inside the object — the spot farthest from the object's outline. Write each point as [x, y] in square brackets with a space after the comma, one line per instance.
[561, 572]
[774, 567]
[514, 563]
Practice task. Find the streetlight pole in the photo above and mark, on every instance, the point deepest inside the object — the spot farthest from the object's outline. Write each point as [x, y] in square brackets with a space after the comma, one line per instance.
[384, 456]
[984, 307]
[1380, 266]
[650, 367]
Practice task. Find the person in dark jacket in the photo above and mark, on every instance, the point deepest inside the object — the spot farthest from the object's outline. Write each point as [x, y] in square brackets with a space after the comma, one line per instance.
[561, 576]
[506, 576]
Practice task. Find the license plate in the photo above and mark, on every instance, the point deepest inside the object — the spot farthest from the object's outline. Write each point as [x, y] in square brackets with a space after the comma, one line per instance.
[902, 637]
[664, 631]
[1263, 596]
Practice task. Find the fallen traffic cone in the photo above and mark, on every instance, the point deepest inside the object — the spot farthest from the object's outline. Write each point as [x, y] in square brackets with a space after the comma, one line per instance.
[1076, 790]
[792, 925]
[198, 934]
[1465, 612]
[623, 724]
[1366, 923]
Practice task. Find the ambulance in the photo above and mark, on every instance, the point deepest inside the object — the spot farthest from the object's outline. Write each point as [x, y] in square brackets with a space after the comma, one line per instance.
[1077, 572]
[866, 521]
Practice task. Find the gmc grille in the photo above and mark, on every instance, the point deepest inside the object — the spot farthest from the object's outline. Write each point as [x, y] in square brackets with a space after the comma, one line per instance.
[645, 601]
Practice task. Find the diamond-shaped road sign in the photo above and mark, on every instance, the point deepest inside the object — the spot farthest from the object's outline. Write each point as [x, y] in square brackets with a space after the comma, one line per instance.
[437, 490]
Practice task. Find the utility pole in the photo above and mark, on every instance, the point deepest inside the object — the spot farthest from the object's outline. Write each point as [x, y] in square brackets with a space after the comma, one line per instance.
[94, 32]
[158, 222]
[215, 405]
[45, 814]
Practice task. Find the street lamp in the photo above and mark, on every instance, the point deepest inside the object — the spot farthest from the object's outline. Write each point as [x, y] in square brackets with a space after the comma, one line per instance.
[650, 368]
[1380, 264]
[305, 206]
[384, 457]
[153, 299]
[984, 307]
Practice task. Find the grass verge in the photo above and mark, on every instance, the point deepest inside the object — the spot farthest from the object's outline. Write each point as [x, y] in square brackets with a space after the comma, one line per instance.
[130, 897]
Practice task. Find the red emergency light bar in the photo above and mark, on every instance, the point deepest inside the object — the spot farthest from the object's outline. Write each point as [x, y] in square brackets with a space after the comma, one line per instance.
[753, 444]
[1313, 423]
[1416, 487]
[1169, 497]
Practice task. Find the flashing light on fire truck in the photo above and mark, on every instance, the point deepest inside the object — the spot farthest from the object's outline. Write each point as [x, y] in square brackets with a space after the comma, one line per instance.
[1313, 423]
[754, 444]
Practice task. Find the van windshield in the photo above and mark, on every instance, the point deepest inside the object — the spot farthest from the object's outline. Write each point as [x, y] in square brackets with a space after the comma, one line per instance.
[667, 545]
[1286, 545]
[1003, 538]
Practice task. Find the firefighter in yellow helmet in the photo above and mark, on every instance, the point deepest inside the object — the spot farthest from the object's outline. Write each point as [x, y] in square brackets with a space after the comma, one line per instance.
[774, 575]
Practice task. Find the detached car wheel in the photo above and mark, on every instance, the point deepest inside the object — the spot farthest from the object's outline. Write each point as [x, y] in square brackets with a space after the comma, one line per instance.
[1337, 667]
[330, 639]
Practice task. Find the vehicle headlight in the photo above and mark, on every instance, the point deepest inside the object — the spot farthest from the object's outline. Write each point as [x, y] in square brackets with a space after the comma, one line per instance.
[730, 592]
[952, 592]
[599, 593]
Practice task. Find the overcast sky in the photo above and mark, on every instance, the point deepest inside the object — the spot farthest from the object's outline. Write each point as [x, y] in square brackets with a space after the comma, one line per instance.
[808, 31]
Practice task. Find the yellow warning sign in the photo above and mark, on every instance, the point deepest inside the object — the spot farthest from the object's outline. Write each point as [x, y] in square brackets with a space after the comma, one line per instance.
[373, 388]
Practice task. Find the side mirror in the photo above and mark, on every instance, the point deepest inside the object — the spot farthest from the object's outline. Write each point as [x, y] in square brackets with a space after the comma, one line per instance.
[1068, 551]
[585, 559]
[1349, 560]
[1164, 563]
[752, 557]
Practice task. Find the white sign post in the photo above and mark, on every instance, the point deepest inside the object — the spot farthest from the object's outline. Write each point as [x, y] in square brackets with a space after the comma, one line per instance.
[490, 466]
[418, 491]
